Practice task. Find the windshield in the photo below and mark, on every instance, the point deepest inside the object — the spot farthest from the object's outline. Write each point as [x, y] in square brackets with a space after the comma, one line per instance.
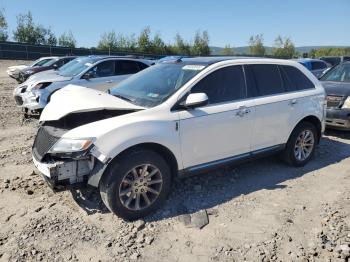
[50, 62]
[340, 73]
[40, 62]
[76, 66]
[155, 84]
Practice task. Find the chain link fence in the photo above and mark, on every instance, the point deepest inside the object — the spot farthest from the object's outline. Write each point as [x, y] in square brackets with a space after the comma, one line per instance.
[22, 51]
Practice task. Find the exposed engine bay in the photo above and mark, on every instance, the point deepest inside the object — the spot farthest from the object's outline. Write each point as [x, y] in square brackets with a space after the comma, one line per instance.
[68, 168]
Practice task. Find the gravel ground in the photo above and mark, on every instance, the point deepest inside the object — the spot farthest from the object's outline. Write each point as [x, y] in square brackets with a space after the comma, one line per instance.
[257, 211]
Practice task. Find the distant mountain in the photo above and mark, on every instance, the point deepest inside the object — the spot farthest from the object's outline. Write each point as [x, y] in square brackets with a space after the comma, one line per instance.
[215, 50]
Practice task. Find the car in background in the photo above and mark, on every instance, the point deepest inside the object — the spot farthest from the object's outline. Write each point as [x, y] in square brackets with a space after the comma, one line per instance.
[170, 58]
[13, 71]
[336, 83]
[95, 72]
[334, 60]
[174, 119]
[54, 63]
[316, 66]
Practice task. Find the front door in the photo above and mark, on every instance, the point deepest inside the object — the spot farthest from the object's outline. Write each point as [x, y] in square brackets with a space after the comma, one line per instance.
[222, 129]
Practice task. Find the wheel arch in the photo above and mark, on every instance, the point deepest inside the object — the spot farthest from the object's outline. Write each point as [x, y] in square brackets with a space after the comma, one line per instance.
[314, 120]
[162, 150]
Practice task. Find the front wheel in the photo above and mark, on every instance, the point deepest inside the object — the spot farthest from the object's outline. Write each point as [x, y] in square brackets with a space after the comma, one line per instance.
[301, 144]
[136, 184]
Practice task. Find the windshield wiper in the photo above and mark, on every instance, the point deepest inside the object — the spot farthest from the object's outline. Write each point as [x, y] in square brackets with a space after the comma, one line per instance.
[123, 97]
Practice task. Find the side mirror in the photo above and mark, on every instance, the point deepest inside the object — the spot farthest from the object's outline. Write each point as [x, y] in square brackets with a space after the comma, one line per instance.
[55, 66]
[87, 75]
[196, 100]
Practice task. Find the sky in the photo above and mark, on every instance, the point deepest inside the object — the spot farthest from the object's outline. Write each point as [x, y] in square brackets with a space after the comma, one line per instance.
[307, 22]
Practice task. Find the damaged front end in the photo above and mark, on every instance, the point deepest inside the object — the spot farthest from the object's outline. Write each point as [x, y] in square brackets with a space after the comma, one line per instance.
[65, 161]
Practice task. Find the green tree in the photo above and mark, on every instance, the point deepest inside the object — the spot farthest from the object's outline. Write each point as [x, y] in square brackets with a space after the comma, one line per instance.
[228, 50]
[201, 44]
[284, 47]
[50, 38]
[3, 26]
[256, 45]
[108, 41]
[29, 32]
[181, 47]
[67, 40]
[158, 45]
[144, 40]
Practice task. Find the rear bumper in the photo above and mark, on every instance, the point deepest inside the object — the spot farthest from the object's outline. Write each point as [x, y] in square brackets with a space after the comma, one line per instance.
[338, 118]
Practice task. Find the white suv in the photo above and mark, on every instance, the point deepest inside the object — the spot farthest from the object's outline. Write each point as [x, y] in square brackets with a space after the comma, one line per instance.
[177, 118]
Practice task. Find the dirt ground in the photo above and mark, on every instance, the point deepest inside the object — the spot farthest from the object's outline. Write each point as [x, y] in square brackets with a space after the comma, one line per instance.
[257, 211]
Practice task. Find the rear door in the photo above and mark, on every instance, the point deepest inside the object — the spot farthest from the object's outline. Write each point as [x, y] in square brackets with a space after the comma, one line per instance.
[124, 69]
[101, 76]
[272, 106]
[280, 101]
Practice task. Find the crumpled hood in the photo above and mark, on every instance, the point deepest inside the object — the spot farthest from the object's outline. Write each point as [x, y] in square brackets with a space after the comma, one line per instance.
[45, 74]
[17, 67]
[74, 99]
[336, 88]
[43, 77]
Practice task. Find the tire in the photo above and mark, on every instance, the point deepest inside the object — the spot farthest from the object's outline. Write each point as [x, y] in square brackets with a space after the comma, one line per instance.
[290, 155]
[119, 178]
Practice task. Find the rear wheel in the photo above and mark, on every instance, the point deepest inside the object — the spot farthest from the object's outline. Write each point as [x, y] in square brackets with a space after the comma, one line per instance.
[301, 144]
[136, 184]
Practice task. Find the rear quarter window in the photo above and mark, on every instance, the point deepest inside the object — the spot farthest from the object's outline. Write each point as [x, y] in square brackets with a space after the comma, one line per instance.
[294, 79]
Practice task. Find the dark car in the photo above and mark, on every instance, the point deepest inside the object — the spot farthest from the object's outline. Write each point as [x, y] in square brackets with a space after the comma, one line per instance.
[334, 60]
[336, 83]
[51, 64]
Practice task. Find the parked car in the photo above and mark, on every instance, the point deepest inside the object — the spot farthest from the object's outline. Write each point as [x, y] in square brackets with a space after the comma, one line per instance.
[13, 71]
[54, 63]
[316, 66]
[334, 60]
[178, 118]
[96, 72]
[336, 83]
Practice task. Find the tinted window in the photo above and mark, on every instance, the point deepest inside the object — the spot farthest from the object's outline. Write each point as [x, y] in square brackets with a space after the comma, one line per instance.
[318, 65]
[125, 67]
[103, 69]
[142, 65]
[339, 73]
[294, 79]
[267, 79]
[225, 84]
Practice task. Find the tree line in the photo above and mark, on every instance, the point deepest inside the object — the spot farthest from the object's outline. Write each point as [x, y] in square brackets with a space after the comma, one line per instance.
[27, 31]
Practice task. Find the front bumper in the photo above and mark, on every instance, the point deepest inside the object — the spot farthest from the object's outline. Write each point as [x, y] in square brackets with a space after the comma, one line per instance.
[65, 172]
[338, 118]
[27, 99]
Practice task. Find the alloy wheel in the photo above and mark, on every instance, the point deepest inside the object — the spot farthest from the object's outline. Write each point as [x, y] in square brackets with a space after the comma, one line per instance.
[140, 187]
[304, 145]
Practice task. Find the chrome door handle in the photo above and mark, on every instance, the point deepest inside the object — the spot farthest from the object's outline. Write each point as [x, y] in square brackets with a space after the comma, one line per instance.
[242, 111]
[293, 102]
[109, 81]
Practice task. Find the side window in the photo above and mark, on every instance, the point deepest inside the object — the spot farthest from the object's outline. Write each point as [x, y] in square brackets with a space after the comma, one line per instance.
[60, 62]
[318, 65]
[125, 67]
[267, 79]
[294, 79]
[103, 69]
[142, 65]
[225, 84]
